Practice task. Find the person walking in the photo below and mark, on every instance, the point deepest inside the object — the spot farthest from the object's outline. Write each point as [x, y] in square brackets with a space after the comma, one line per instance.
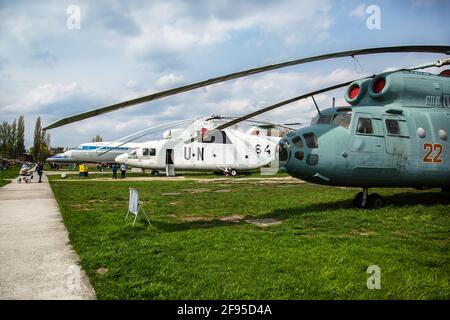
[40, 170]
[123, 170]
[114, 170]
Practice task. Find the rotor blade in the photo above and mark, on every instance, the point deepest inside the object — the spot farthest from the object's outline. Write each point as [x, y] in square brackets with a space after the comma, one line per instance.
[274, 106]
[170, 92]
[282, 103]
[142, 134]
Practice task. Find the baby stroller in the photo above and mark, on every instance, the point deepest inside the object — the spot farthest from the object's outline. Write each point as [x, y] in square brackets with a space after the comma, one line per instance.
[25, 175]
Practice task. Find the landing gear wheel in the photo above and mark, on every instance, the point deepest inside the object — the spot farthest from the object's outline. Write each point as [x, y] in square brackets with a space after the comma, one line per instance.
[233, 173]
[155, 173]
[375, 201]
[357, 201]
[19, 180]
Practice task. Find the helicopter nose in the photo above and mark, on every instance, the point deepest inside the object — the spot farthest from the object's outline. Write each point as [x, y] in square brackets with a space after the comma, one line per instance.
[121, 158]
[298, 154]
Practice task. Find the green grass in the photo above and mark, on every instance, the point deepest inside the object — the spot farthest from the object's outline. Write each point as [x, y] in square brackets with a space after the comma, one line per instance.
[7, 174]
[321, 250]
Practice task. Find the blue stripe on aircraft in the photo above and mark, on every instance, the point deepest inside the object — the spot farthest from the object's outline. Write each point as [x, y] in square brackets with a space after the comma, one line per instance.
[102, 148]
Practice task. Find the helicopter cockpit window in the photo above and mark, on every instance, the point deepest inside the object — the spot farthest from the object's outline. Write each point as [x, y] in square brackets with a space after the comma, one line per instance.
[322, 119]
[215, 137]
[364, 126]
[132, 155]
[297, 142]
[342, 119]
[311, 140]
[393, 127]
[148, 152]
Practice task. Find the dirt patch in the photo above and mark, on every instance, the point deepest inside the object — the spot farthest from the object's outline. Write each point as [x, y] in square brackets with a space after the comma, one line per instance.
[223, 190]
[200, 190]
[233, 218]
[174, 203]
[170, 194]
[102, 271]
[265, 222]
[363, 233]
[194, 218]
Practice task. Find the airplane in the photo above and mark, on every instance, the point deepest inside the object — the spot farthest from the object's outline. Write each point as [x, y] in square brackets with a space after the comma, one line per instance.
[393, 134]
[95, 152]
[61, 158]
[229, 151]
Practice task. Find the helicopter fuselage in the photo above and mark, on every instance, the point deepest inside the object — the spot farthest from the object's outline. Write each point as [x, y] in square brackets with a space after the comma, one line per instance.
[397, 137]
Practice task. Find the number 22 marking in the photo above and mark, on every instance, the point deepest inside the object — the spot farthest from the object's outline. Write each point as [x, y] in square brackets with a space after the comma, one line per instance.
[430, 147]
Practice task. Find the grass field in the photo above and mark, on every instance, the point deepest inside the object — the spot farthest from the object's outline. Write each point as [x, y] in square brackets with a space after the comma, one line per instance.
[201, 246]
[7, 174]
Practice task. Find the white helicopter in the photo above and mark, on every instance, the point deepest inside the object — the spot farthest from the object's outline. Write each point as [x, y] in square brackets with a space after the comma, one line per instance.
[198, 148]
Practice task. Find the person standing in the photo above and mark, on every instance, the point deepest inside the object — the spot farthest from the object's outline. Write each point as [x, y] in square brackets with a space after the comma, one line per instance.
[123, 170]
[40, 170]
[114, 170]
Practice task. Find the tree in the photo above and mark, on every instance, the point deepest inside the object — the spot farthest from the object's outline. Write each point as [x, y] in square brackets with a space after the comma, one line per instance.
[20, 139]
[97, 138]
[37, 142]
[5, 139]
[13, 139]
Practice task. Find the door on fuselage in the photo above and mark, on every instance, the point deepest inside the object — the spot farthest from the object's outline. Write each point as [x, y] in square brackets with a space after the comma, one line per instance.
[170, 168]
[396, 140]
[367, 140]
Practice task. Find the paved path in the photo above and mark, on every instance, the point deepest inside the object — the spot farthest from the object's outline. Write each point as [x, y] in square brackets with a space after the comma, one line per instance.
[36, 261]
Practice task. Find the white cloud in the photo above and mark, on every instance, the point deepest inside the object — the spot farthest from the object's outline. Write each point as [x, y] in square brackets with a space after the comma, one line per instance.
[44, 95]
[359, 11]
[168, 80]
[131, 84]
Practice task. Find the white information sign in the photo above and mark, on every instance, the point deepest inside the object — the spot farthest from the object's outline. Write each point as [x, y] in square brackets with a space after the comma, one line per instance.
[134, 206]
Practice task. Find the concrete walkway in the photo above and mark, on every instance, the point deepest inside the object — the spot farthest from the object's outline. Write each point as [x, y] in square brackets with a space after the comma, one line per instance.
[36, 261]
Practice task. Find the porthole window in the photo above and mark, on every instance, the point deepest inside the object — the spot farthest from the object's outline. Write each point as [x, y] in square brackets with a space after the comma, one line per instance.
[312, 159]
[443, 134]
[145, 152]
[299, 155]
[421, 132]
[364, 126]
[297, 142]
[311, 140]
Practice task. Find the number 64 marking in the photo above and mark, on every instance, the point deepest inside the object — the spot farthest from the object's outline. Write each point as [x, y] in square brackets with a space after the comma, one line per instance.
[433, 147]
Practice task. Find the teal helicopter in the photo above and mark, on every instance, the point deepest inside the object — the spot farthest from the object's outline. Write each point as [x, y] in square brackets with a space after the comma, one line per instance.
[393, 134]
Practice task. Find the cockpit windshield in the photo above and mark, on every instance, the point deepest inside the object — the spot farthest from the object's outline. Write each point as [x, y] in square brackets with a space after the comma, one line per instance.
[338, 119]
[342, 119]
[132, 154]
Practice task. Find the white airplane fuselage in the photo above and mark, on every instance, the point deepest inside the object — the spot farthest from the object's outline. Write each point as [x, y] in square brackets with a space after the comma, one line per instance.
[96, 151]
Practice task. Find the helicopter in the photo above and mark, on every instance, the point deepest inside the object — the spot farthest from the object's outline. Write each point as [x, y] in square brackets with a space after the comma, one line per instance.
[393, 134]
[227, 151]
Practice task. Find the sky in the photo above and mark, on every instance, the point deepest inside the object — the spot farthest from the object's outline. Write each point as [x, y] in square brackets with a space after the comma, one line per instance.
[54, 65]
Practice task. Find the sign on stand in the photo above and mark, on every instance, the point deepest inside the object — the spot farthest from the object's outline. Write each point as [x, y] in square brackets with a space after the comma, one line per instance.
[134, 206]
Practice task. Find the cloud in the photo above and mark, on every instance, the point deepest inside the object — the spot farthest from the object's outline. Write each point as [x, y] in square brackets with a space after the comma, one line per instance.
[168, 80]
[359, 11]
[53, 99]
